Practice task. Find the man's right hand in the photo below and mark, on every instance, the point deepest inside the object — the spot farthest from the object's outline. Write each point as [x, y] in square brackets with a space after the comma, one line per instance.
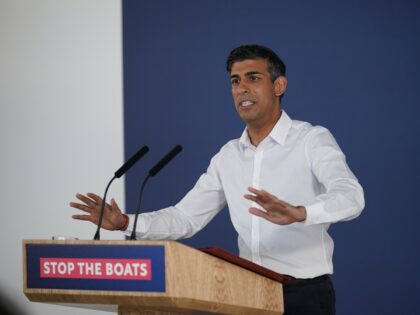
[113, 218]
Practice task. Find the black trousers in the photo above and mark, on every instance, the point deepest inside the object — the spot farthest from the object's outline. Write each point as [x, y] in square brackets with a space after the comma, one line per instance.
[309, 296]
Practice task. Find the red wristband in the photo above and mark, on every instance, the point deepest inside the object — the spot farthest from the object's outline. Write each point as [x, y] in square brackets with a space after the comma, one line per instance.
[125, 225]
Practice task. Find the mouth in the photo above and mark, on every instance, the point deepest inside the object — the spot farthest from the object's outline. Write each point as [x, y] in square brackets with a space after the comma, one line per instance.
[246, 103]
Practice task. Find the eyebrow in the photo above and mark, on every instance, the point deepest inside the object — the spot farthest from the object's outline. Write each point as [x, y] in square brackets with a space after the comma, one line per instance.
[246, 74]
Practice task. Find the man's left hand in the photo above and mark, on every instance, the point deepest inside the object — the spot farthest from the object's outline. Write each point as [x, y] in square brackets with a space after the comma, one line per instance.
[276, 211]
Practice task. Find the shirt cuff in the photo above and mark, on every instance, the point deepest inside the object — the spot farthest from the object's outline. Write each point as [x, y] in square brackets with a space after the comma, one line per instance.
[140, 225]
[315, 213]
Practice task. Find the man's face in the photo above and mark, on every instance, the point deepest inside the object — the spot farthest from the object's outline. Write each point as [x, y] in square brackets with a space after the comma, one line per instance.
[255, 96]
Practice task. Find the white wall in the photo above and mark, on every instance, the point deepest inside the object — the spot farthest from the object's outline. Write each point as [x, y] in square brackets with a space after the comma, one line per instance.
[61, 123]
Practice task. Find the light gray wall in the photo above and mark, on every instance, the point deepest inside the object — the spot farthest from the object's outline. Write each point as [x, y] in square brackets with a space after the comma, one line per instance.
[61, 123]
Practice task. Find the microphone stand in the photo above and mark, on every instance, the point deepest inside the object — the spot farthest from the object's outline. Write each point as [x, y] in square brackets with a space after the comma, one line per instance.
[101, 215]
[139, 197]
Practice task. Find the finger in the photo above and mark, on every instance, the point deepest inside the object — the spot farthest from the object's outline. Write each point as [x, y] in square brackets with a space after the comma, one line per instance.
[256, 199]
[85, 199]
[258, 213]
[267, 195]
[114, 205]
[83, 217]
[254, 190]
[261, 194]
[250, 197]
[80, 207]
[95, 197]
[99, 200]
[282, 203]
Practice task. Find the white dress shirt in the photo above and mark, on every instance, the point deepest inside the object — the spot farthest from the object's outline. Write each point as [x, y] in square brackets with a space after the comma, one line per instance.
[298, 163]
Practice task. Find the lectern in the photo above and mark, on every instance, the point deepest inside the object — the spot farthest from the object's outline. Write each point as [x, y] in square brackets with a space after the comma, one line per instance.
[143, 277]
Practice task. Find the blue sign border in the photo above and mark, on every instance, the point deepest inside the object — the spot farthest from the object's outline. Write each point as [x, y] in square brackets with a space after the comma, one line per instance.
[156, 253]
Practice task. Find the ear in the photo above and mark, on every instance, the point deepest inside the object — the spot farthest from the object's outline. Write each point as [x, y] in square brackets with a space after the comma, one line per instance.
[280, 85]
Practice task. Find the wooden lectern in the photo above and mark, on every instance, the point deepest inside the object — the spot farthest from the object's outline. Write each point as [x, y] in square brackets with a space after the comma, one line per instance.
[101, 275]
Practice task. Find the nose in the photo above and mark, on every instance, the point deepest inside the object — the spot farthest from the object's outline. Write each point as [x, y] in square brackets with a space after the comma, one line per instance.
[242, 88]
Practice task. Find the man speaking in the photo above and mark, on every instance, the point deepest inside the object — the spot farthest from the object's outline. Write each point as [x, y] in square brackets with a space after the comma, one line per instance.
[284, 181]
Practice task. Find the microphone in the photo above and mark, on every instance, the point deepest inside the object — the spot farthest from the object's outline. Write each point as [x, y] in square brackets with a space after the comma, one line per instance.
[127, 165]
[166, 159]
[120, 172]
[152, 172]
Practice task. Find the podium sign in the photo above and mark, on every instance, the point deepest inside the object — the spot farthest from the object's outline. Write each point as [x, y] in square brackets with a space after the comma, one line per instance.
[144, 277]
[92, 267]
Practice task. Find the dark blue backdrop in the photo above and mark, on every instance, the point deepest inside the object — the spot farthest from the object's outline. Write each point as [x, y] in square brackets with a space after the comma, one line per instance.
[352, 67]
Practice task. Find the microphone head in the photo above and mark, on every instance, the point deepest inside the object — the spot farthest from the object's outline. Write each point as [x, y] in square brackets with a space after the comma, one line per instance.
[166, 159]
[127, 165]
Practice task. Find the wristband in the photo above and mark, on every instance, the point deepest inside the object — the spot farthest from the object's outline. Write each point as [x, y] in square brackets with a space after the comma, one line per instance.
[125, 225]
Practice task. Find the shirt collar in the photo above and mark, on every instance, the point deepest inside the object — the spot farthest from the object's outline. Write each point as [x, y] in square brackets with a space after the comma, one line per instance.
[278, 133]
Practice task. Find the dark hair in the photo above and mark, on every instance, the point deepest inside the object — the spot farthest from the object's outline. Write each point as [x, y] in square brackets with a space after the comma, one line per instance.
[276, 66]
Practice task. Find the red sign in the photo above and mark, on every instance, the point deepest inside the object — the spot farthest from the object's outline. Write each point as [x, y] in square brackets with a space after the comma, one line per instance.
[96, 268]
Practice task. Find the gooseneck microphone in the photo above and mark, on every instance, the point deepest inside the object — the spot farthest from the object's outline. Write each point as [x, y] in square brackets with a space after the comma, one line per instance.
[152, 172]
[133, 160]
[120, 172]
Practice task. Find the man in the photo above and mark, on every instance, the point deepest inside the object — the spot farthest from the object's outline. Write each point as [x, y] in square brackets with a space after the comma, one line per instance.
[295, 179]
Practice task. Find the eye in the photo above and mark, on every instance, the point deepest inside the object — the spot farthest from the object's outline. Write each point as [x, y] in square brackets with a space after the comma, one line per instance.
[234, 81]
[253, 78]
